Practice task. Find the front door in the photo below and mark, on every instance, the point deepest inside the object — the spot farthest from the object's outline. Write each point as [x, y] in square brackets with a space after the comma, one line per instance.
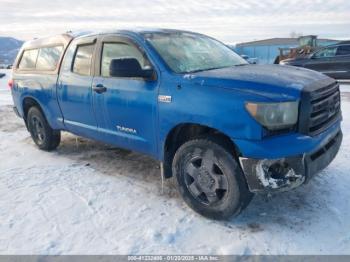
[342, 62]
[323, 60]
[125, 107]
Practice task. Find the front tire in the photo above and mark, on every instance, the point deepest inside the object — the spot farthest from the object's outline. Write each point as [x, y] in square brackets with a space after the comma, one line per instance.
[210, 179]
[42, 134]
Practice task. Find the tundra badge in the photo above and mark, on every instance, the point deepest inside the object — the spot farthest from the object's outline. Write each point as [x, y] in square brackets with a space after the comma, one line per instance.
[164, 99]
[126, 129]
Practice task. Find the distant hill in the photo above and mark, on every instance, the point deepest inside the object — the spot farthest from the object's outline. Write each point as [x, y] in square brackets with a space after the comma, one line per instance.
[8, 49]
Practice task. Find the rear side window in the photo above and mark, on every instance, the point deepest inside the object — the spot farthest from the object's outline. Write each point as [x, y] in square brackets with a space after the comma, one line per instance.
[48, 58]
[343, 50]
[82, 60]
[28, 59]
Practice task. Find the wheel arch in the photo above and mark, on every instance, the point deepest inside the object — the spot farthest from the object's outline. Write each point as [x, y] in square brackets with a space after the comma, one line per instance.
[27, 103]
[184, 132]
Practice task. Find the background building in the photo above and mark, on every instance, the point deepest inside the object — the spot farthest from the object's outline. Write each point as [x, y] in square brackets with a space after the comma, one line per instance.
[267, 50]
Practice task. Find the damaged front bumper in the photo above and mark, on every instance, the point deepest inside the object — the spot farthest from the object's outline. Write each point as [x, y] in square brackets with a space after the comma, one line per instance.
[282, 174]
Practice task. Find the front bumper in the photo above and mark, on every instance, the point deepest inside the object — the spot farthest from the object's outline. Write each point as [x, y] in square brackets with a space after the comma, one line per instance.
[281, 174]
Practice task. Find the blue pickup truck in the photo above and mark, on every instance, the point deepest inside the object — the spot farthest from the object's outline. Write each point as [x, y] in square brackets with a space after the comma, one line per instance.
[224, 128]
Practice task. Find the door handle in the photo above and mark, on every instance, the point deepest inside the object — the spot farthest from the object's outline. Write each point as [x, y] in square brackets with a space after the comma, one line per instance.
[99, 88]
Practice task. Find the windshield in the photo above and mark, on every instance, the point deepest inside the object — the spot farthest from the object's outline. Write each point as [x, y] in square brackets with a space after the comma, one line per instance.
[188, 53]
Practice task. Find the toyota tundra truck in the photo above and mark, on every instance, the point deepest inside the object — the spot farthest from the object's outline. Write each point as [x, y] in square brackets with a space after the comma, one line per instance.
[225, 129]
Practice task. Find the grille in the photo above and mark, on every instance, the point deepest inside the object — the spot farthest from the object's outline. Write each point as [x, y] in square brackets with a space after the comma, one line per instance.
[320, 108]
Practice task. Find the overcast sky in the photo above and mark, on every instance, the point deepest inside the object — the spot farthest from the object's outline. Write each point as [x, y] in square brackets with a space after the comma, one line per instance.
[231, 21]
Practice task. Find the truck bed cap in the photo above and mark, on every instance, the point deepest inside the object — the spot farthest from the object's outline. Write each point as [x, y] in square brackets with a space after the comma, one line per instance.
[62, 39]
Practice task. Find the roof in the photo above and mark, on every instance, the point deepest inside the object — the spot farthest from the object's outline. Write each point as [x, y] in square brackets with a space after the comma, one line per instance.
[68, 36]
[136, 30]
[344, 43]
[272, 41]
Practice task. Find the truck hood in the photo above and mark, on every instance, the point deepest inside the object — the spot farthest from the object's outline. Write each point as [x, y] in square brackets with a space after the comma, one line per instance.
[275, 82]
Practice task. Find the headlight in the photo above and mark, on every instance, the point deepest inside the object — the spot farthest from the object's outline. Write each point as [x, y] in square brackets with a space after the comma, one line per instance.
[274, 116]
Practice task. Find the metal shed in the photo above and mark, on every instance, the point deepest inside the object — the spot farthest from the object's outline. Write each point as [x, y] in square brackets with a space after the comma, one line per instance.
[268, 49]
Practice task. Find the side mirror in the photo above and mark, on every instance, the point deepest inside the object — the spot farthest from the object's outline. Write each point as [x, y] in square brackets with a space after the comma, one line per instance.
[129, 67]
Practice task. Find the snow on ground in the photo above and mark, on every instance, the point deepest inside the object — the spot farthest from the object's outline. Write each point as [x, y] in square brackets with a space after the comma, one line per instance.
[90, 198]
[5, 95]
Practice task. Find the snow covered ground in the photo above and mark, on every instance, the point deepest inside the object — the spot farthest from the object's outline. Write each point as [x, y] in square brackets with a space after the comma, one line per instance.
[89, 198]
[5, 95]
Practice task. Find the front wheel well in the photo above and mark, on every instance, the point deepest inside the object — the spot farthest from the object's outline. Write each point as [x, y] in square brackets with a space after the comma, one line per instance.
[185, 132]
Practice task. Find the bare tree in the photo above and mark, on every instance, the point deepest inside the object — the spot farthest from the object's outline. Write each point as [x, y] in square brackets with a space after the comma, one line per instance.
[295, 34]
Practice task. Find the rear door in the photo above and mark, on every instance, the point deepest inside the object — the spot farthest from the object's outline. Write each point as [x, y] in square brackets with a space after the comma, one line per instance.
[126, 108]
[74, 88]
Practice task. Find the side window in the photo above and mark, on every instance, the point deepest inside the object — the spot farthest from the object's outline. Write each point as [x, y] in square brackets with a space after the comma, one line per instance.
[48, 58]
[28, 59]
[68, 59]
[82, 60]
[120, 50]
[343, 50]
[327, 52]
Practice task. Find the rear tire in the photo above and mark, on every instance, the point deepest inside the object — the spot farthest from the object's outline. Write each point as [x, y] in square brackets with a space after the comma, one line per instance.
[42, 134]
[209, 179]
